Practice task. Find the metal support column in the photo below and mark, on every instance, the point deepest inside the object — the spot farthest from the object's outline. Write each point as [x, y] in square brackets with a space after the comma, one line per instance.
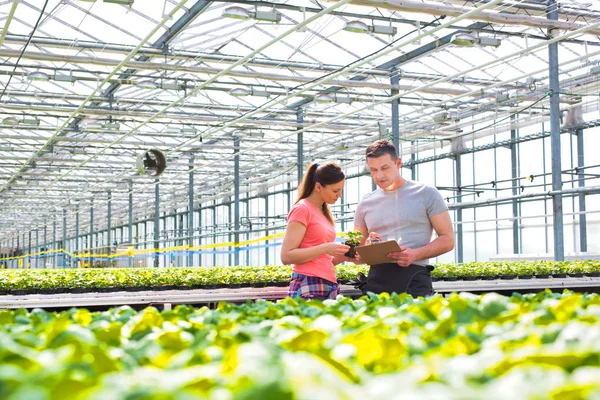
[229, 235]
[214, 236]
[64, 238]
[300, 145]
[130, 220]
[515, 190]
[395, 80]
[557, 207]
[250, 223]
[156, 222]
[76, 231]
[91, 243]
[12, 252]
[181, 240]
[459, 225]
[266, 230]
[29, 251]
[24, 252]
[37, 247]
[190, 227]
[54, 244]
[45, 243]
[108, 218]
[236, 197]
[581, 173]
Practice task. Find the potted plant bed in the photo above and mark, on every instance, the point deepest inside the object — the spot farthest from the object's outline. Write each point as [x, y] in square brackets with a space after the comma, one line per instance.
[508, 276]
[542, 276]
[561, 275]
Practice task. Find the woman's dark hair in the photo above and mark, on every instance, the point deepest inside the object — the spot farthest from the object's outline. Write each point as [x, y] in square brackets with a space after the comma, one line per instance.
[380, 148]
[325, 174]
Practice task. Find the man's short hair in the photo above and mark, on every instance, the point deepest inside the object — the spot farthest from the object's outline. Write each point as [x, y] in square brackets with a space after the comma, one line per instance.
[380, 148]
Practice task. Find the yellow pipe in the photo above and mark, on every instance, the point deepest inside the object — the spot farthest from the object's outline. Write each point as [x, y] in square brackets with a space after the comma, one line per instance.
[8, 20]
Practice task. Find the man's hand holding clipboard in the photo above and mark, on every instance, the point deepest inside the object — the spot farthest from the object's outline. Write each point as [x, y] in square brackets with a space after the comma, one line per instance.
[376, 252]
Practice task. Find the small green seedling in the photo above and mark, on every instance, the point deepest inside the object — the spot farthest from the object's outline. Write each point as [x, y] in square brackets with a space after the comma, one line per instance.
[353, 238]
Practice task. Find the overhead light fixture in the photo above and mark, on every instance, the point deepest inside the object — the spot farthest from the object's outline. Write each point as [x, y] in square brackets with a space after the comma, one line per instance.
[254, 133]
[170, 86]
[122, 2]
[91, 125]
[488, 41]
[323, 98]
[503, 96]
[464, 39]
[38, 76]
[64, 78]
[147, 84]
[260, 92]
[237, 12]
[242, 92]
[189, 129]
[172, 130]
[114, 126]
[356, 27]
[239, 92]
[6, 148]
[595, 70]
[10, 121]
[269, 16]
[30, 121]
[332, 97]
[441, 117]
[361, 27]
[454, 115]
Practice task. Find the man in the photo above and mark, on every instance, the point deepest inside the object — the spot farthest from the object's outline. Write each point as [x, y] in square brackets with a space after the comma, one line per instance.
[405, 211]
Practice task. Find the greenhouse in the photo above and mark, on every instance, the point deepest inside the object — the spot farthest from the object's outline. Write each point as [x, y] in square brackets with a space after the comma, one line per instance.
[152, 162]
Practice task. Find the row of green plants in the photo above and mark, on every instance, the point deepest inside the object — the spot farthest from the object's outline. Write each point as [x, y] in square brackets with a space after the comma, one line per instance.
[18, 280]
[536, 346]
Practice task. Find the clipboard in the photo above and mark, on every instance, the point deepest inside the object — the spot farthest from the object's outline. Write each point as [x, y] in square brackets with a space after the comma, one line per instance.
[376, 253]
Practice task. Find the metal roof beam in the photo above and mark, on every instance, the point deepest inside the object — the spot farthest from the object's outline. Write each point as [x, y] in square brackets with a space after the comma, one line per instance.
[164, 40]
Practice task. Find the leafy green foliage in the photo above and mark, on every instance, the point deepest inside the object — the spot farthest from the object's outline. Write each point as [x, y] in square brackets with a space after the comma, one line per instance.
[36, 279]
[543, 345]
[353, 238]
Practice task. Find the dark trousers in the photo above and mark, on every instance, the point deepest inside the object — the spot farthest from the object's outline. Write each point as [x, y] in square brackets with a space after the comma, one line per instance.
[392, 278]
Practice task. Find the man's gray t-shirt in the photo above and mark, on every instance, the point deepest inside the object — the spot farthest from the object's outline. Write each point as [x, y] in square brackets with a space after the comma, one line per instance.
[402, 214]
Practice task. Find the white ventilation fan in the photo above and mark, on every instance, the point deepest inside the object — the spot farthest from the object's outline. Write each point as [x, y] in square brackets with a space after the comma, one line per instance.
[151, 163]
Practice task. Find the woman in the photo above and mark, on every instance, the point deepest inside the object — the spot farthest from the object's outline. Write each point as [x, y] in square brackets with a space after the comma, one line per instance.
[309, 242]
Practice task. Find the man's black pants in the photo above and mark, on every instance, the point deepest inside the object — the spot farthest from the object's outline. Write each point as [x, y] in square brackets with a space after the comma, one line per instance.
[392, 278]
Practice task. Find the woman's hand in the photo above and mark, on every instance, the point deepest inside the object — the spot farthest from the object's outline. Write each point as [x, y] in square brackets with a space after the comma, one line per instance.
[335, 249]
